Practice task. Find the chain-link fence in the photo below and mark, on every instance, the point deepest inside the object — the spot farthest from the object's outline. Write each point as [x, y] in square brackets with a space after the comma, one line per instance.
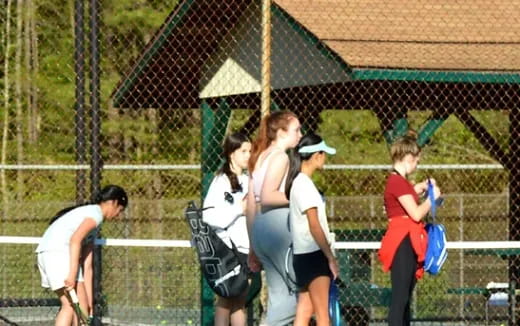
[141, 94]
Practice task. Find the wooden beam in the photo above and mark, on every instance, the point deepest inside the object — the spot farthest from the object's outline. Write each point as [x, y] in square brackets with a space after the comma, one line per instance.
[483, 136]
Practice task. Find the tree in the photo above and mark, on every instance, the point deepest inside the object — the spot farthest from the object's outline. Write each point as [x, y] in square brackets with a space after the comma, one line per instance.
[31, 65]
[5, 127]
[19, 97]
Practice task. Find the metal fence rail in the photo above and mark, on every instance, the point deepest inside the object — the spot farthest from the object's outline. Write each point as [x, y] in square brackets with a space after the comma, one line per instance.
[146, 291]
[142, 93]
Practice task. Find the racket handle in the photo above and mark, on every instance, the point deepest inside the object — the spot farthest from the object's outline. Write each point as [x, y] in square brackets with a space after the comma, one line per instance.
[73, 296]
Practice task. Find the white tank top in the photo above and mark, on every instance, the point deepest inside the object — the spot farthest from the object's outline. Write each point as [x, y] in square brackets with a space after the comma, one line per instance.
[259, 176]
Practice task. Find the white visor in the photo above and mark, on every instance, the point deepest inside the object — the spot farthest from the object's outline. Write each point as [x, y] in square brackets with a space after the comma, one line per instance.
[320, 147]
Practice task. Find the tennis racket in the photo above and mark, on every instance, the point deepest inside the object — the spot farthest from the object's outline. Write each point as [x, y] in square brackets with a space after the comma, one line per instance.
[82, 317]
[334, 308]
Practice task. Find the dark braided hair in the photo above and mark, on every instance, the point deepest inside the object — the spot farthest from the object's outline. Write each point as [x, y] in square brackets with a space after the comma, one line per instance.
[231, 144]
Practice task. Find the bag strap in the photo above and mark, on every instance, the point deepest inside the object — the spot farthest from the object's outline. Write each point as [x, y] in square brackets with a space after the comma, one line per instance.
[290, 282]
[192, 206]
[431, 196]
[233, 248]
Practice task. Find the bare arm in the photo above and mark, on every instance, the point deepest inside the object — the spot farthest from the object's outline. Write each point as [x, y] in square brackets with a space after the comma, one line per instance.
[75, 248]
[320, 238]
[250, 208]
[253, 261]
[417, 212]
[88, 272]
[271, 194]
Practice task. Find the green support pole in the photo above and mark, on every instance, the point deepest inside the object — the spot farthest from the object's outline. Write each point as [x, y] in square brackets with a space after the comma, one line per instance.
[399, 128]
[214, 125]
[388, 137]
[428, 129]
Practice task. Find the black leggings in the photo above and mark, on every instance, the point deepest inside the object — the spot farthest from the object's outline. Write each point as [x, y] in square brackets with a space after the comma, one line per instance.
[402, 274]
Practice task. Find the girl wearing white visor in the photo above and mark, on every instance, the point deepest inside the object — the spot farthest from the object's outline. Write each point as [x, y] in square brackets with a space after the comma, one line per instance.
[314, 262]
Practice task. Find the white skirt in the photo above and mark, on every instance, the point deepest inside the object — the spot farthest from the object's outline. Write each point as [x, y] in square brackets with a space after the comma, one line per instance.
[54, 269]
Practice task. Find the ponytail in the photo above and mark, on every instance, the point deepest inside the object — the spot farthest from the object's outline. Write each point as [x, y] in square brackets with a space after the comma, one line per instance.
[295, 166]
[259, 145]
[64, 211]
[296, 158]
[110, 192]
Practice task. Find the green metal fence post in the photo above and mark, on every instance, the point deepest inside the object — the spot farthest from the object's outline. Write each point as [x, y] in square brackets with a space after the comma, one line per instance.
[214, 125]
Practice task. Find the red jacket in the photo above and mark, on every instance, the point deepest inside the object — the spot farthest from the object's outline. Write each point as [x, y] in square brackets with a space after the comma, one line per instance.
[398, 228]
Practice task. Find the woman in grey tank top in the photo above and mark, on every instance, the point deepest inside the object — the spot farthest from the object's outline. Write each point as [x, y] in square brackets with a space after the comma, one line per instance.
[268, 211]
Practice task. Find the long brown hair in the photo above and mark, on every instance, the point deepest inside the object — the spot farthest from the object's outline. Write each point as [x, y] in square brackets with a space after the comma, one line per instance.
[267, 133]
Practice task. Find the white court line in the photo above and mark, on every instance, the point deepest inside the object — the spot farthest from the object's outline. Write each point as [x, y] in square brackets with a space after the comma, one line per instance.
[339, 245]
[107, 242]
[449, 245]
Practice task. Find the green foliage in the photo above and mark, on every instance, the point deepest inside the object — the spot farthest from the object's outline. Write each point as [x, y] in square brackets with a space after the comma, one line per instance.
[356, 135]
[128, 26]
[431, 295]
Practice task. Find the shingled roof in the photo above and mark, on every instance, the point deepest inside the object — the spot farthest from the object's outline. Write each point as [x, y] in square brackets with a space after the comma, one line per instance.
[421, 40]
[476, 35]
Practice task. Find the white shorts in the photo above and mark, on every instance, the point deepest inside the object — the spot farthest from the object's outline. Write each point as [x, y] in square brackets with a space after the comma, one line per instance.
[54, 269]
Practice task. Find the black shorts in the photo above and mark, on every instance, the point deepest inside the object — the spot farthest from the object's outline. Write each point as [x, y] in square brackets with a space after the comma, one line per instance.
[309, 266]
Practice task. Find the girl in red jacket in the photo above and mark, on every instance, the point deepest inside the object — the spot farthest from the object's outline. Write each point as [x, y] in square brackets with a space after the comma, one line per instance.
[404, 245]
